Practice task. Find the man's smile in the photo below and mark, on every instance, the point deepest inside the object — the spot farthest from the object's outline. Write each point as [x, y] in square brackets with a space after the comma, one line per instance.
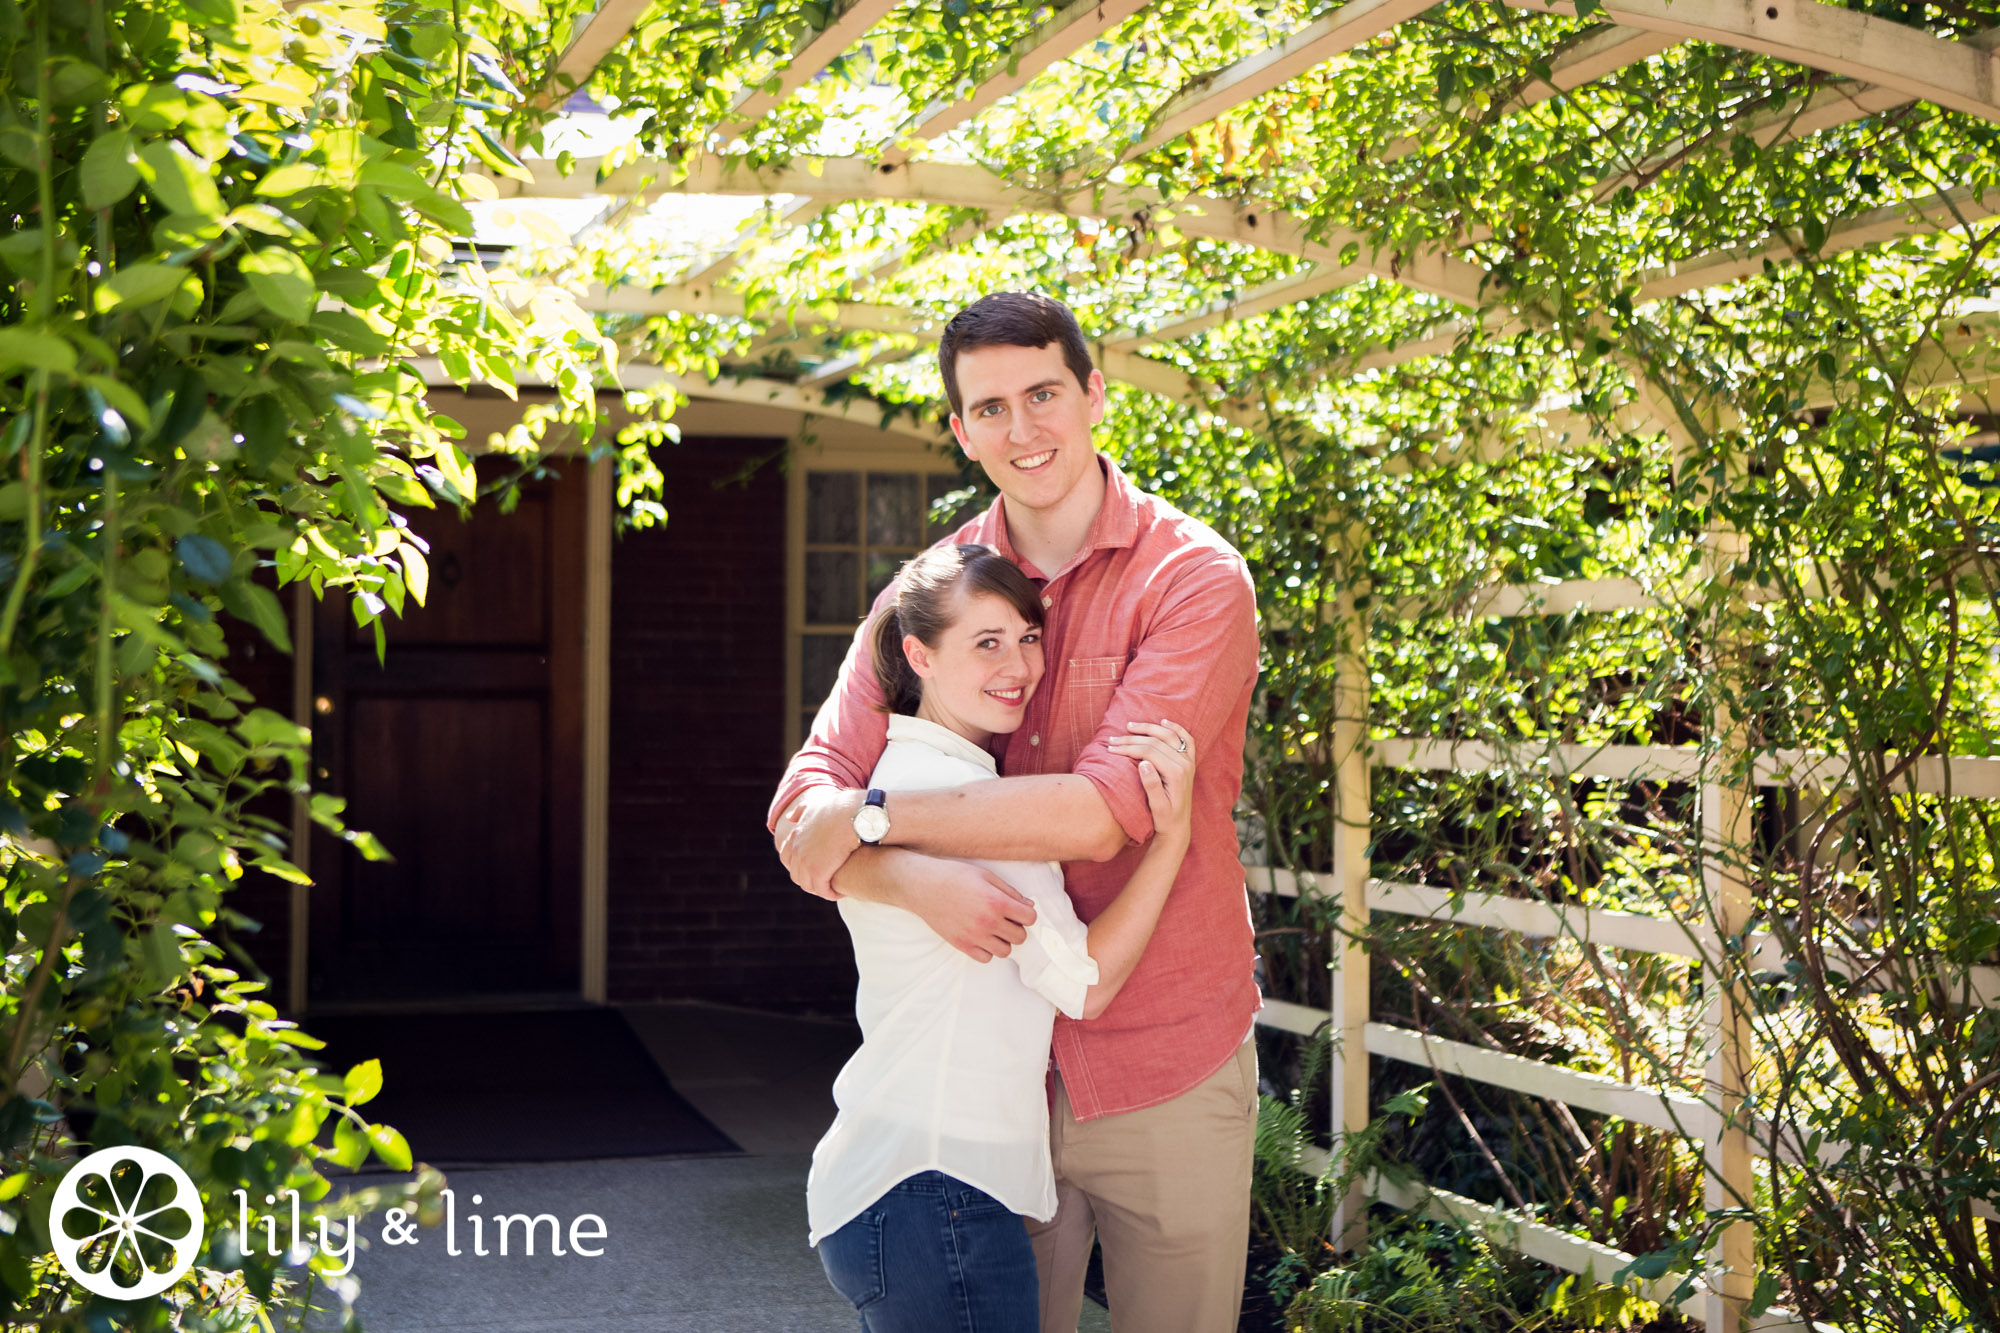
[1034, 461]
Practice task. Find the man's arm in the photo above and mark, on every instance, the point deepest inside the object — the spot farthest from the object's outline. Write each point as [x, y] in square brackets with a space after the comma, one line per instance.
[976, 912]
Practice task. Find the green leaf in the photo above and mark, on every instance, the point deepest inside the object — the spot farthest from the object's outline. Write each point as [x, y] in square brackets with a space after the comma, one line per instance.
[141, 284]
[37, 351]
[179, 179]
[109, 170]
[390, 1147]
[1761, 1299]
[457, 470]
[294, 177]
[282, 282]
[350, 1144]
[363, 1082]
[123, 397]
[205, 559]
[497, 156]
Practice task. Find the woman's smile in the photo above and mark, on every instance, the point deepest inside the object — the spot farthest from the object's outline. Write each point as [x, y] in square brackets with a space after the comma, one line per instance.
[983, 670]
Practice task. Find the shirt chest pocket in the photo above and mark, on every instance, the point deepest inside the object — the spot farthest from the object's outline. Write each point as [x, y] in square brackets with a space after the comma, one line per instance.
[1082, 696]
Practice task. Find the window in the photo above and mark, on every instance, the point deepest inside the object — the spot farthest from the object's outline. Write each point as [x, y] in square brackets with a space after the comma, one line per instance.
[854, 527]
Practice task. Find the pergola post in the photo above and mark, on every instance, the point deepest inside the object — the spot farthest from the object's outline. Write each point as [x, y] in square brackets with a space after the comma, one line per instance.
[1351, 803]
[1727, 830]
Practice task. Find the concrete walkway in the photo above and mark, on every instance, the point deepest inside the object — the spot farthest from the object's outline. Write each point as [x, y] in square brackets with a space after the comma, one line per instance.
[692, 1245]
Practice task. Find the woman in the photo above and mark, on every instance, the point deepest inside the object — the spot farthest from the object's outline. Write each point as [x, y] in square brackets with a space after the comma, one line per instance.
[941, 1144]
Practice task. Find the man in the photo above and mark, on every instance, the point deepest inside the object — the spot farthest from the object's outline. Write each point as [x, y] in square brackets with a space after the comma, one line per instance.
[1150, 616]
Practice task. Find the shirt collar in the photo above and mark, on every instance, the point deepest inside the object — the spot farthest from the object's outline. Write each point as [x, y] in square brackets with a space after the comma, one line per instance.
[1116, 524]
[923, 731]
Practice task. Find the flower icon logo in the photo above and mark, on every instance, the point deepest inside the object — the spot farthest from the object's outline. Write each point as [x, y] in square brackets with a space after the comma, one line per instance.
[126, 1222]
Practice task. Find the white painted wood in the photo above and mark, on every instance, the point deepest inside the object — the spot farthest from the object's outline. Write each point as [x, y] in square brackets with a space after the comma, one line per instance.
[812, 53]
[1543, 920]
[1273, 295]
[1625, 763]
[1664, 1109]
[1062, 35]
[1301, 1019]
[709, 270]
[1954, 74]
[1537, 1240]
[1961, 206]
[1597, 56]
[965, 185]
[1352, 832]
[1210, 95]
[593, 39]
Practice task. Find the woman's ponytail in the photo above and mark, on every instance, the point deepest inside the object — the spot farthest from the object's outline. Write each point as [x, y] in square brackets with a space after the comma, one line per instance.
[902, 688]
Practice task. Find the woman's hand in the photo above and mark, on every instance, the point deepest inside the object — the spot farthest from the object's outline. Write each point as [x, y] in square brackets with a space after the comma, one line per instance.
[1165, 753]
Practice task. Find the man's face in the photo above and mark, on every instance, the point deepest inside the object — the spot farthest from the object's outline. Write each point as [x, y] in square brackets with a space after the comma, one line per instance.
[1027, 421]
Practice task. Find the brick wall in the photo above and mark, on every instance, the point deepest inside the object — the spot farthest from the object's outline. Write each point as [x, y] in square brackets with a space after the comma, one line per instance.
[699, 905]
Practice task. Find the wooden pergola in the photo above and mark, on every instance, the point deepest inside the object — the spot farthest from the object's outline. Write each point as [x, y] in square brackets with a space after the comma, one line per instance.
[1876, 68]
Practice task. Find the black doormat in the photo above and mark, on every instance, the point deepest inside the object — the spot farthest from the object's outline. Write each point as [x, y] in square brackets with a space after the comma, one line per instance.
[496, 1086]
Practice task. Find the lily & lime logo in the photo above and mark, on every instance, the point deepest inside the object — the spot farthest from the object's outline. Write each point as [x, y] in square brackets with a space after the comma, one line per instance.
[126, 1222]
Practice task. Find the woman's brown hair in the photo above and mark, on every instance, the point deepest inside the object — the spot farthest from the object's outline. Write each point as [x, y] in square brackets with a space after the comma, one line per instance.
[923, 603]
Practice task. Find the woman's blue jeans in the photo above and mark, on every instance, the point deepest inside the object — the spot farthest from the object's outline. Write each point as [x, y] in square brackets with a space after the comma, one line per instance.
[935, 1255]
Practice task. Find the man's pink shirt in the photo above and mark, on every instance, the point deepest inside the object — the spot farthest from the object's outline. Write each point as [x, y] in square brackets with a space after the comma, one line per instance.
[1155, 618]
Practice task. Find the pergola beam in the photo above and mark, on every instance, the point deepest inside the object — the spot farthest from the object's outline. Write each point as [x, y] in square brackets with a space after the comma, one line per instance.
[1066, 32]
[1825, 108]
[1213, 94]
[1954, 74]
[1127, 367]
[968, 186]
[610, 24]
[1273, 295]
[797, 213]
[1599, 55]
[811, 54]
[1913, 217]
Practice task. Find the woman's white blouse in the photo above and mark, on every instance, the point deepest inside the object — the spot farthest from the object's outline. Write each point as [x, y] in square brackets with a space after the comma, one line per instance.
[954, 1054]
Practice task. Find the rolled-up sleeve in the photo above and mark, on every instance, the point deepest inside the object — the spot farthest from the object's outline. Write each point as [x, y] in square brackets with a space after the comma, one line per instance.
[1198, 656]
[849, 734]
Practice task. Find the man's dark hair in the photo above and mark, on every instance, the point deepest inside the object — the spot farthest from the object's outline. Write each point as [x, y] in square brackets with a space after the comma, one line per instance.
[1011, 319]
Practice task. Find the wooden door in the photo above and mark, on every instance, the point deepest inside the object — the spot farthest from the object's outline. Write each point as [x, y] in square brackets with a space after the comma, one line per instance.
[462, 753]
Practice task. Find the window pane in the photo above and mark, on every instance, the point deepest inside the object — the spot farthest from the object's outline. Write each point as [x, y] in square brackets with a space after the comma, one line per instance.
[819, 666]
[937, 485]
[882, 566]
[833, 587]
[833, 508]
[895, 509]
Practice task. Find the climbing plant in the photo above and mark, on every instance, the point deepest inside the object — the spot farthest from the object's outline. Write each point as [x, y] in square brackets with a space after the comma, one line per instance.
[230, 233]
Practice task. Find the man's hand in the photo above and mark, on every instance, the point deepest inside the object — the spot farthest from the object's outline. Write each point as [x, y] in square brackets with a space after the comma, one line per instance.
[816, 836]
[973, 910]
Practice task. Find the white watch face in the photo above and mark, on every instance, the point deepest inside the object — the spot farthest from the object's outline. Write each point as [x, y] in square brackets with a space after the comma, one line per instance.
[871, 823]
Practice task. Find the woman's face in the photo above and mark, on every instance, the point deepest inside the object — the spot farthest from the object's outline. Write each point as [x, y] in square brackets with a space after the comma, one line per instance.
[982, 671]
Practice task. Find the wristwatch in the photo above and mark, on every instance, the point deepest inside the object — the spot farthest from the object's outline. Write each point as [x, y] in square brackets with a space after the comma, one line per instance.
[871, 821]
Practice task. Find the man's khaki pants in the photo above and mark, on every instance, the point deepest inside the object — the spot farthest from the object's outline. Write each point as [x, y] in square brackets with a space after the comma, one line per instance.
[1167, 1190]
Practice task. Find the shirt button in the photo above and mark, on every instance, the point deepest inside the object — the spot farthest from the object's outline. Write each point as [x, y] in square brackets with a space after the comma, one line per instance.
[1048, 602]
[1035, 739]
